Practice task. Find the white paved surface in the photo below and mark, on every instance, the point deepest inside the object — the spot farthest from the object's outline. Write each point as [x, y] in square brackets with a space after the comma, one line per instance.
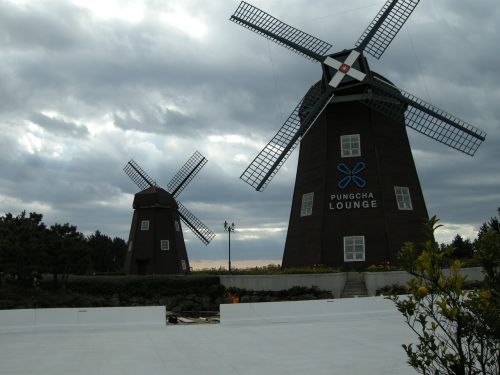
[365, 342]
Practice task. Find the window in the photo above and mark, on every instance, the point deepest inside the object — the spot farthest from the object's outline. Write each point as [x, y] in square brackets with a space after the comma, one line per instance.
[177, 226]
[130, 246]
[354, 249]
[403, 197]
[350, 145]
[183, 264]
[307, 204]
[145, 225]
[165, 245]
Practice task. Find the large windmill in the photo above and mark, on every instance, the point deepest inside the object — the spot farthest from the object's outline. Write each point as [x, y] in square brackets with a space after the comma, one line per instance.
[156, 244]
[357, 196]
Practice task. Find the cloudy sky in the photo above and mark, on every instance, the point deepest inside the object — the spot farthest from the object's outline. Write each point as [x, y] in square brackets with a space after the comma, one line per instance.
[87, 85]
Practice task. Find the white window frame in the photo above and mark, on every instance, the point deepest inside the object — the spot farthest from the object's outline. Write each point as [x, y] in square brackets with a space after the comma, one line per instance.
[164, 245]
[177, 226]
[183, 265]
[307, 204]
[354, 248]
[403, 198]
[130, 246]
[346, 145]
[144, 224]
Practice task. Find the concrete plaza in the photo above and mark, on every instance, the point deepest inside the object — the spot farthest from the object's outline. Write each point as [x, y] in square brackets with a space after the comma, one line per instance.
[341, 336]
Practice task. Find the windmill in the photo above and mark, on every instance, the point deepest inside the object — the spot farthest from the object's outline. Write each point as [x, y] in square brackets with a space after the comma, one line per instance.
[357, 196]
[156, 243]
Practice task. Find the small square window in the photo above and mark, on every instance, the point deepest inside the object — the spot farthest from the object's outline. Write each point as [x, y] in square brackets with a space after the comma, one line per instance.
[354, 249]
[350, 145]
[307, 204]
[165, 245]
[403, 197]
[177, 226]
[145, 225]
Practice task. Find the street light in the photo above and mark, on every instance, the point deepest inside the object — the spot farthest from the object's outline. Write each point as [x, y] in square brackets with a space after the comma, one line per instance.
[229, 228]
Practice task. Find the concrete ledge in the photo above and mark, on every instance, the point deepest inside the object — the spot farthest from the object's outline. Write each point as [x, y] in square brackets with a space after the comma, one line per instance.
[82, 317]
[333, 282]
[377, 280]
[347, 309]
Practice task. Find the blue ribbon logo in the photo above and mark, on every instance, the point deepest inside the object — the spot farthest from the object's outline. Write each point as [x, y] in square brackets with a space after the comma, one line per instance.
[351, 175]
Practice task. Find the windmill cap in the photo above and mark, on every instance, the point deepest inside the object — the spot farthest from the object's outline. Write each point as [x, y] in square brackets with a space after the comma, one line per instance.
[154, 197]
[357, 89]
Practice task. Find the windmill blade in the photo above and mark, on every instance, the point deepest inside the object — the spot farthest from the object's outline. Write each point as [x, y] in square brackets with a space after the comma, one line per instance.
[385, 26]
[195, 224]
[186, 174]
[137, 174]
[268, 162]
[425, 118]
[264, 24]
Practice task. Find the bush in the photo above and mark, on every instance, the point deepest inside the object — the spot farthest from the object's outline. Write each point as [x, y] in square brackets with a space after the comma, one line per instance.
[457, 330]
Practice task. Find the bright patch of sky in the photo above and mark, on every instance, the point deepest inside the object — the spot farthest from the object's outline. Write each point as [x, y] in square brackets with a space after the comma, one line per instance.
[124, 10]
[180, 19]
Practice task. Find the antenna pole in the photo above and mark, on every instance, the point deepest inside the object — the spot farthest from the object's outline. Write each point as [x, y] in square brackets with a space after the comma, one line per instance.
[229, 228]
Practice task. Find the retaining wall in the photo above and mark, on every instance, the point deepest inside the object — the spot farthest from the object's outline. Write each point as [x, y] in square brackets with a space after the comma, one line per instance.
[345, 309]
[82, 317]
[333, 282]
[378, 280]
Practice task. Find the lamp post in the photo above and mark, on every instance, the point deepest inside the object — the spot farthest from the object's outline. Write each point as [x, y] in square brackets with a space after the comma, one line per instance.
[229, 228]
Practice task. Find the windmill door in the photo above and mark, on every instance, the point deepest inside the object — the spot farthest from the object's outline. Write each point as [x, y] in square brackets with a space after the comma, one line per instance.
[142, 267]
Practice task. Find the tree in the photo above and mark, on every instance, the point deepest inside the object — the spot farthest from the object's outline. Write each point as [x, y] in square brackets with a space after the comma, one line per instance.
[22, 245]
[106, 254]
[457, 330]
[462, 248]
[483, 229]
[119, 251]
[66, 252]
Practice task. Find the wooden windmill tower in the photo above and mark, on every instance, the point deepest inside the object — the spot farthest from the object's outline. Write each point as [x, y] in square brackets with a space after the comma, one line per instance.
[156, 243]
[357, 196]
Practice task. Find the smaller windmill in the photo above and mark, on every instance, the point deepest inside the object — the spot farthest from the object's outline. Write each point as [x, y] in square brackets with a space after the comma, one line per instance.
[156, 243]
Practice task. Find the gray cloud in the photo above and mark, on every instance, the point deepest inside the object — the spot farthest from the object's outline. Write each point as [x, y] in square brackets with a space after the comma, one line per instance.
[59, 126]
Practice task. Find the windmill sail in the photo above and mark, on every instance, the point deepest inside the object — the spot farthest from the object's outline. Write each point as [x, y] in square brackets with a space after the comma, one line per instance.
[186, 174]
[420, 115]
[268, 162]
[263, 23]
[198, 228]
[385, 26]
[176, 185]
[426, 118]
[138, 175]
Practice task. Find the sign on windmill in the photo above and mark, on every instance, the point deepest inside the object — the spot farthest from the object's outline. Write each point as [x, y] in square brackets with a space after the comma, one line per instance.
[156, 242]
[357, 195]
